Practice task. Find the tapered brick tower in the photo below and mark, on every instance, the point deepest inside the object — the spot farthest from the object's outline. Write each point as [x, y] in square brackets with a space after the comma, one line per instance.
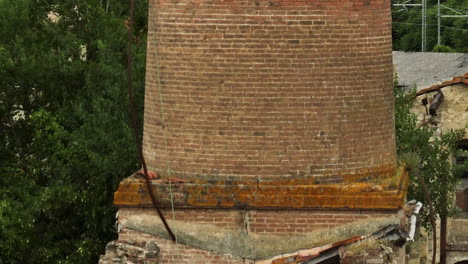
[254, 89]
[270, 114]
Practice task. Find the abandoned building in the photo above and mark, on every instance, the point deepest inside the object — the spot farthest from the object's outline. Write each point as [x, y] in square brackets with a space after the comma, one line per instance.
[269, 126]
[444, 107]
[445, 76]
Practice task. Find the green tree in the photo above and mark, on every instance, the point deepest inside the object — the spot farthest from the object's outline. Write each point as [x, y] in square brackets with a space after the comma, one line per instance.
[428, 155]
[407, 27]
[65, 140]
[433, 178]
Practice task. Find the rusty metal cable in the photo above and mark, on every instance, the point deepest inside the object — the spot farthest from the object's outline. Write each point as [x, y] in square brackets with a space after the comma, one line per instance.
[133, 119]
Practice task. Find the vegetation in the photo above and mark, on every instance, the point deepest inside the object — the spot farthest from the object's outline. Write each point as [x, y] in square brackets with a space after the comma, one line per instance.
[407, 27]
[433, 177]
[65, 141]
[427, 156]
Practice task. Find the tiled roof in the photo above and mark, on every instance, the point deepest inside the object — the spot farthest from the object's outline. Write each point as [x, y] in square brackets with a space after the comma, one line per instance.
[304, 256]
[435, 87]
[423, 69]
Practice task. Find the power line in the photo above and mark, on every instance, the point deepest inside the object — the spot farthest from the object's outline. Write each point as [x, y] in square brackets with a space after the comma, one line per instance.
[424, 24]
[458, 11]
[458, 14]
[416, 24]
[423, 6]
[439, 16]
[438, 22]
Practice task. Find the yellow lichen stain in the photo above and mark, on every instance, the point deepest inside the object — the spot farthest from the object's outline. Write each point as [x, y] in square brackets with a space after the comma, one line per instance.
[386, 191]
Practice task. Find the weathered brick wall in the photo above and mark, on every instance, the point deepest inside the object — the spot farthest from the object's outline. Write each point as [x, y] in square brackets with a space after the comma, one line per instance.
[252, 92]
[460, 200]
[173, 253]
[457, 239]
[458, 231]
[256, 88]
[279, 222]
[283, 222]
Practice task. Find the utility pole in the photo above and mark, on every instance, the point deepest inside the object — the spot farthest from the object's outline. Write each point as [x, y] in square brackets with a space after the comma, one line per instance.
[423, 6]
[423, 26]
[439, 16]
[438, 22]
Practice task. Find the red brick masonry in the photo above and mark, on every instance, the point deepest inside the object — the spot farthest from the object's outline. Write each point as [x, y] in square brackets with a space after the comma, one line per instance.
[264, 89]
[271, 222]
[277, 115]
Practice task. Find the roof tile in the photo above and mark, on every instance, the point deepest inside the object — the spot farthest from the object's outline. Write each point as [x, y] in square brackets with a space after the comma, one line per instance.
[435, 87]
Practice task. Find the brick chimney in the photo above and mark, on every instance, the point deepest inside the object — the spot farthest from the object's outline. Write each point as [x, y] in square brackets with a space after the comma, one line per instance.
[277, 115]
[267, 89]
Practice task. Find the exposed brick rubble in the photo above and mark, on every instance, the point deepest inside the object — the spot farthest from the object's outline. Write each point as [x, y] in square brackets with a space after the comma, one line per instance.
[130, 252]
[443, 106]
[382, 245]
[381, 255]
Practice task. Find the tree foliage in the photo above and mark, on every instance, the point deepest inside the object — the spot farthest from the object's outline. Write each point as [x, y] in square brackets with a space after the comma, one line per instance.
[65, 140]
[427, 156]
[407, 27]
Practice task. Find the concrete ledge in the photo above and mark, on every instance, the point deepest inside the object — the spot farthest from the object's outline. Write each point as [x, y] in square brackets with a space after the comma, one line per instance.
[375, 190]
